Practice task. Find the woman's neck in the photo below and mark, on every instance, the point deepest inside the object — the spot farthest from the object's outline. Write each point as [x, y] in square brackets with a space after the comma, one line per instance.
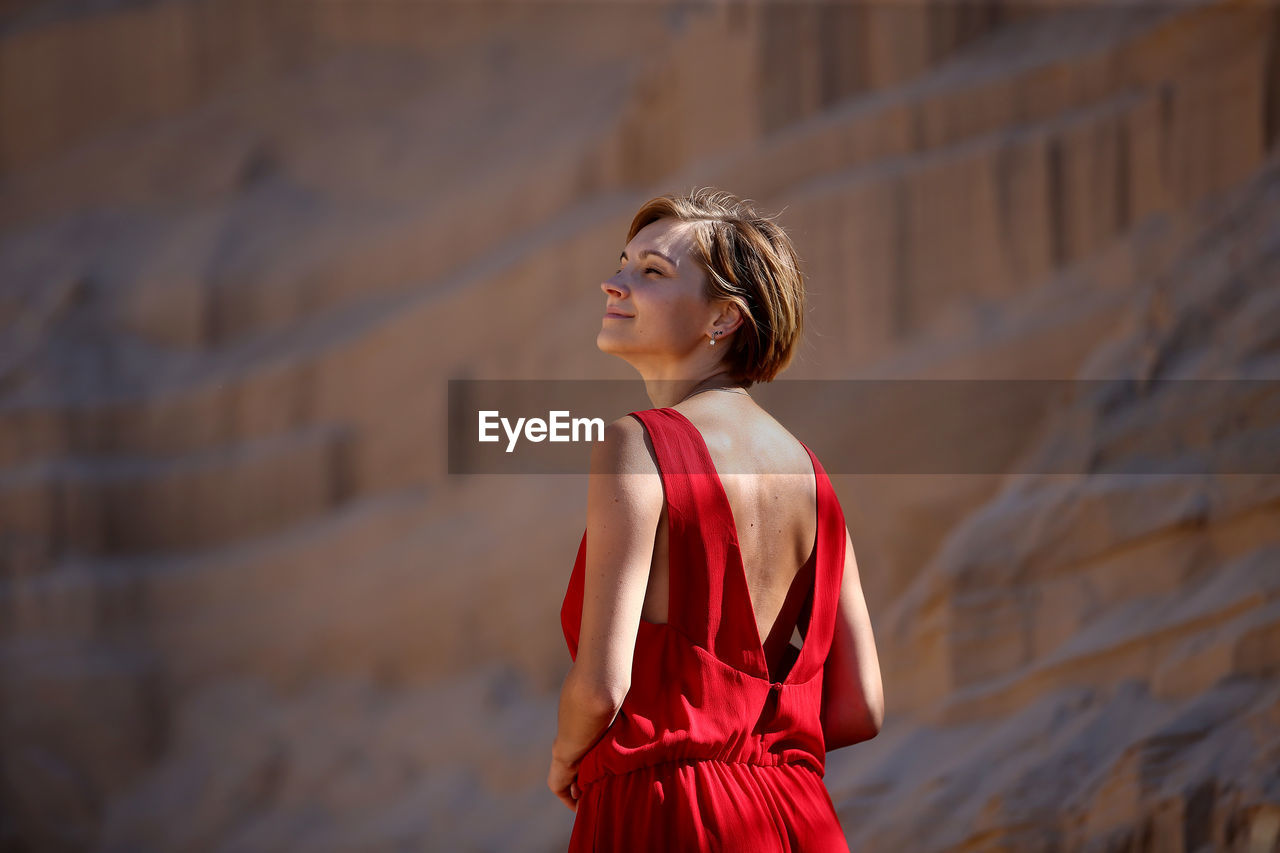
[670, 392]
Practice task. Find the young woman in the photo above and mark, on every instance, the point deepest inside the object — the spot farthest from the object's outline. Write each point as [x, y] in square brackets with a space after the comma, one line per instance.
[720, 639]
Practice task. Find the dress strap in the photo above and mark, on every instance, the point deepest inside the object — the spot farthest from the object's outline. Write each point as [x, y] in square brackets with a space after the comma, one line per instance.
[829, 574]
[700, 536]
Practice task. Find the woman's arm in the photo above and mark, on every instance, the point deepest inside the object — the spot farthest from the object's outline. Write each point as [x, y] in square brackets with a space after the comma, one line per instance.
[624, 504]
[852, 695]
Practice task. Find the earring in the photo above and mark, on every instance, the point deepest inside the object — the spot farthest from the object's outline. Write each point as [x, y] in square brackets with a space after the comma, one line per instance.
[712, 342]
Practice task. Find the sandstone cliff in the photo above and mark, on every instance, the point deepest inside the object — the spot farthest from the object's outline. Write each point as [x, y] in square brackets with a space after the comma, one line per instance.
[244, 246]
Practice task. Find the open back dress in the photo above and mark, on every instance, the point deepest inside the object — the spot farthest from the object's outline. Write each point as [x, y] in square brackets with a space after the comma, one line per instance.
[718, 744]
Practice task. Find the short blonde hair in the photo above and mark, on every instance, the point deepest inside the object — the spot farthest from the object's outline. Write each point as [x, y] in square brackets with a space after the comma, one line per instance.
[749, 260]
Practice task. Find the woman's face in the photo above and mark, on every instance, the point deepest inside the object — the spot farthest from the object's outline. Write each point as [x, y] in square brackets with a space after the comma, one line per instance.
[656, 309]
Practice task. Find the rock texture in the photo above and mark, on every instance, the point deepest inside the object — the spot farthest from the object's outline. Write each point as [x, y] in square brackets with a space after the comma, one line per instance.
[244, 246]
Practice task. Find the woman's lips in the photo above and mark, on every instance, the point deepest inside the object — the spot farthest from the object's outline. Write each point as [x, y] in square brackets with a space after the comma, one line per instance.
[610, 315]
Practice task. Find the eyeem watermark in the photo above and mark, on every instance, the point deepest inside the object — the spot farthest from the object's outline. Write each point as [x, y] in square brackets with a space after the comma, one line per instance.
[558, 427]
[898, 426]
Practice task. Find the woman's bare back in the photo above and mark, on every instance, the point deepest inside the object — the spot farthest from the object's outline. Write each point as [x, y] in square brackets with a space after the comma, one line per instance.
[769, 481]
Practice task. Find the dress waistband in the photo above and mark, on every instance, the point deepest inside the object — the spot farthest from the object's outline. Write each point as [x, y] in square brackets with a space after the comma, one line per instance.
[774, 761]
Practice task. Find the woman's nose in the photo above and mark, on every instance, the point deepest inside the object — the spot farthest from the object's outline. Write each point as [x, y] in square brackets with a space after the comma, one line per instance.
[612, 288]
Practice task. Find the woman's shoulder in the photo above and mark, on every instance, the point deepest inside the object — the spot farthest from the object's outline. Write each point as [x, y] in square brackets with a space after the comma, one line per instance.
[625, 448]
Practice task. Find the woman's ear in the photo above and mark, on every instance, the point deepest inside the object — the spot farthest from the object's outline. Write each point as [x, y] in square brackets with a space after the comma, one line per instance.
[729, 318]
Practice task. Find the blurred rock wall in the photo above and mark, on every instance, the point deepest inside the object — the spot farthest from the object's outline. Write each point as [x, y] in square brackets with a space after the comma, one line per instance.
[243, 247]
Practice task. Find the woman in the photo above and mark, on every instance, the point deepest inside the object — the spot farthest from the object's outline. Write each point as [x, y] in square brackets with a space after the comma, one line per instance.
[690, 719]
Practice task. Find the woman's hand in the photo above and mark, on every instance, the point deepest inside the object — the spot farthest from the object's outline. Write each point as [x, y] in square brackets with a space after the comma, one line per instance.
[563, 782]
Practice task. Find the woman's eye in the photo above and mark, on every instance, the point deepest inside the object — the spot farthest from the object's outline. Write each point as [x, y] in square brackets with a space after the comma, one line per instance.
[653, 269]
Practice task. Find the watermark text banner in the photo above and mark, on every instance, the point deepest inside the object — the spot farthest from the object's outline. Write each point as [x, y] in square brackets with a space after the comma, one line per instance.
[902, 426]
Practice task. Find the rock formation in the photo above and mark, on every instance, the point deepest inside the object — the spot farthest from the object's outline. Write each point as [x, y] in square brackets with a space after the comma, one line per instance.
[243, 248]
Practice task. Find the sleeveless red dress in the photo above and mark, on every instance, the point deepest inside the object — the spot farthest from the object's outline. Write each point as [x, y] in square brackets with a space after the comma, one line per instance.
[718, 744]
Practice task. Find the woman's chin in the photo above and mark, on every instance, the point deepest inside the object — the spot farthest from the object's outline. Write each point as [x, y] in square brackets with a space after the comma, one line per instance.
[607, 343]
[610, 346]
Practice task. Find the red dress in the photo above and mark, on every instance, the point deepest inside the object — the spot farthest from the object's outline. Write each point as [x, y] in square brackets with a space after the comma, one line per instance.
[718, 744]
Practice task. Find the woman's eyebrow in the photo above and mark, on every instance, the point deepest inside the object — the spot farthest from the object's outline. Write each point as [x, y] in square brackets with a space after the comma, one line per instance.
[644, 252]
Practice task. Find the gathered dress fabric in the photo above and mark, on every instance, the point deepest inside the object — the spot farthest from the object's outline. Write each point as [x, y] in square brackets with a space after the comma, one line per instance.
[718, 744]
